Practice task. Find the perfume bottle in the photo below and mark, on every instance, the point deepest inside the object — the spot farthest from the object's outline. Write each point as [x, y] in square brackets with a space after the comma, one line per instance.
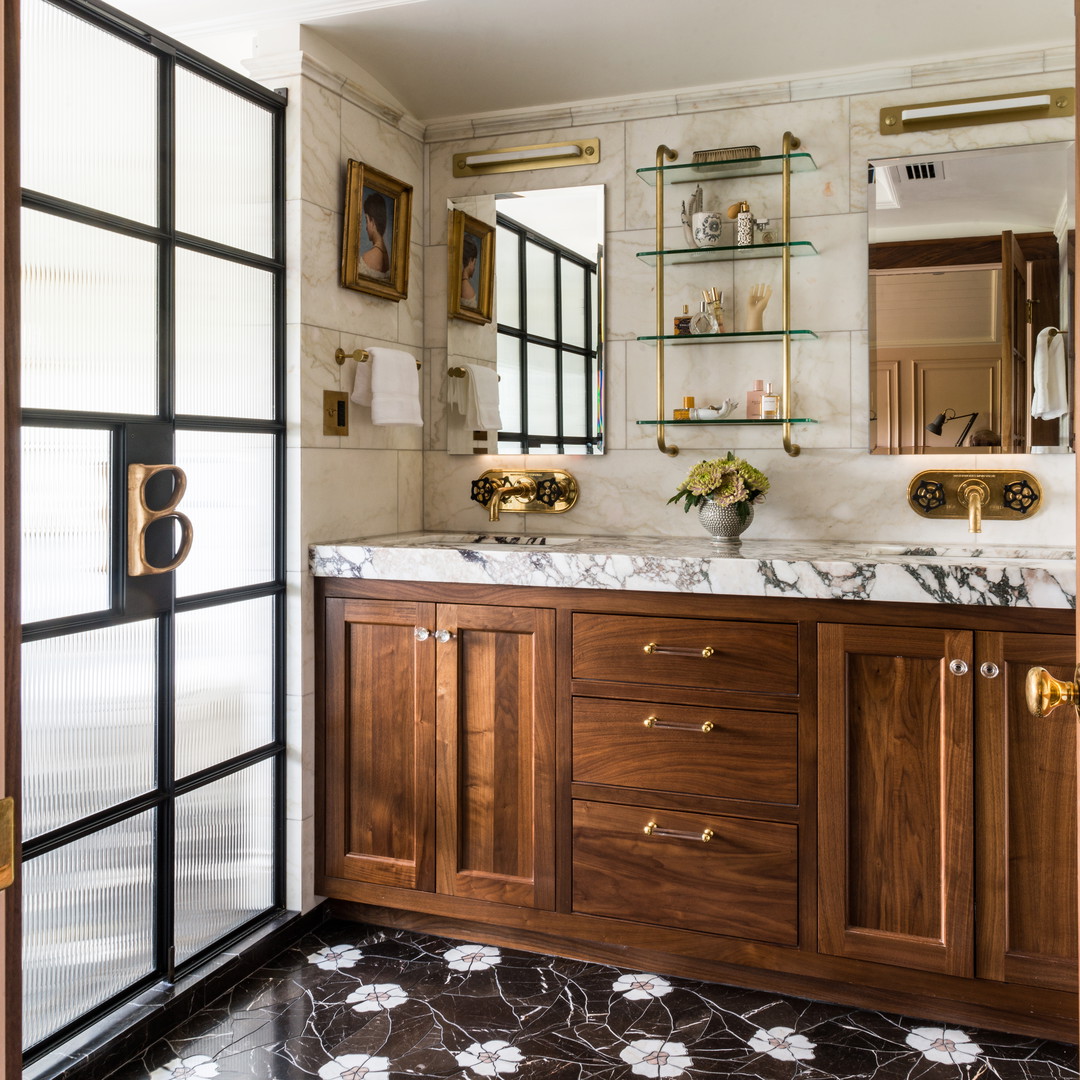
[702, 321]
[685, 412]
[682, 322]
[715, 299]
[753, 400]
[744, 223]
[770, 403]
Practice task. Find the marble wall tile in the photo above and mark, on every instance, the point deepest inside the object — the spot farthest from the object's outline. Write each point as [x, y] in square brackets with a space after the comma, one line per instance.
[316, 371]
[860, 389]
[300, 892]
[322, 181]
[300, 622]
[447, 485]
[436, 385]
[614, 396]
[299, 756]
[410, 491]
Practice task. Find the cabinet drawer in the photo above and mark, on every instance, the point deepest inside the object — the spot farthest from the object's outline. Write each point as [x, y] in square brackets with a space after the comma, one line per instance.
[726, 753]
[747, 656]
[743, 882]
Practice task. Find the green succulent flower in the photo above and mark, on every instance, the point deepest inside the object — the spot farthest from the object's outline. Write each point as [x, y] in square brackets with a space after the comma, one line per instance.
[729, 481]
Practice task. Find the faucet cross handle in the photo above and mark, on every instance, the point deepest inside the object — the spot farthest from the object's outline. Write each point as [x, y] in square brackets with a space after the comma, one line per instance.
[483, 491]
[549, 491]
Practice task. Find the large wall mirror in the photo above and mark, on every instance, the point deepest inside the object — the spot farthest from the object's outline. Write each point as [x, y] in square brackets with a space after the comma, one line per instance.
[545, 337]
[970, 301]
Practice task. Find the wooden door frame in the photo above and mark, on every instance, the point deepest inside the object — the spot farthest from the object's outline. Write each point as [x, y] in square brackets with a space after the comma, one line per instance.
[10, 906]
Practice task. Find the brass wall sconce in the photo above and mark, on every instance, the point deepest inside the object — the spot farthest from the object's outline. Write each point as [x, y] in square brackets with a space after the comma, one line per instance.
[971, 112]
[518, 158]
[551, 491]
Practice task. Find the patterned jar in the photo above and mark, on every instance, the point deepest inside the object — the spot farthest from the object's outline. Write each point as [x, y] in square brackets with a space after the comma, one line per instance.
[724, 522]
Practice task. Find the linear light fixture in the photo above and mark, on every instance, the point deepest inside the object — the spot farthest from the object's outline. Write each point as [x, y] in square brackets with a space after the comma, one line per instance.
[517, 158]
[969, 112]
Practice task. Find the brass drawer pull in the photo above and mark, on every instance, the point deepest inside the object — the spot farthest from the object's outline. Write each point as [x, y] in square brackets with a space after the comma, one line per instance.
[656, 722]
[653, 649]
[652, 829]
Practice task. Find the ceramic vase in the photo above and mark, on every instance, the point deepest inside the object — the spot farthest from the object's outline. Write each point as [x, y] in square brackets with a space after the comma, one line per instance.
[724, 522]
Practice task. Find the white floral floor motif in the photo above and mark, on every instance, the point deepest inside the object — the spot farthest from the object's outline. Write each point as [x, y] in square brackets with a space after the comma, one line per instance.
[354, 1003]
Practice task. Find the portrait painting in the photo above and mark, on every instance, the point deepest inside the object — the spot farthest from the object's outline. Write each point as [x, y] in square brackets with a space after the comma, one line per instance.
[375, 245]
[470, 268]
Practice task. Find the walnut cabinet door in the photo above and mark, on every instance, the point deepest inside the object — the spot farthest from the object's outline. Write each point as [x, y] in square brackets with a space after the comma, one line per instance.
[438, 748]
[948, 814]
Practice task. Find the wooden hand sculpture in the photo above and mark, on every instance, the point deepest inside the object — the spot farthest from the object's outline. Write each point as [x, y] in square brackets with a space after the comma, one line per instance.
[755, 306]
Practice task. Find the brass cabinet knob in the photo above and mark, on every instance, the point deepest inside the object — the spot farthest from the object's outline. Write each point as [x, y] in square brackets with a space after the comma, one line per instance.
[1045, 693]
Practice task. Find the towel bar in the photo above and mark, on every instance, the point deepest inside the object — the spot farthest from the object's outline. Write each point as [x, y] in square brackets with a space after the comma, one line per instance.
[361, 356]
[460, 373]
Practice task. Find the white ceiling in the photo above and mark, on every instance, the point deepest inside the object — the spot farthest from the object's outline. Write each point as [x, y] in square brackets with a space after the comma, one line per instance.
[444, 58]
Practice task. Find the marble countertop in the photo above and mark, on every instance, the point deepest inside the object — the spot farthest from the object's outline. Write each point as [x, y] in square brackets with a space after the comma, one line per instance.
[1039, 577]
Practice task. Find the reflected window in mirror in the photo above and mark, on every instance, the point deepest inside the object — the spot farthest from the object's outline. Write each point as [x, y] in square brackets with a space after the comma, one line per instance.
[971, 258]
[546, 336]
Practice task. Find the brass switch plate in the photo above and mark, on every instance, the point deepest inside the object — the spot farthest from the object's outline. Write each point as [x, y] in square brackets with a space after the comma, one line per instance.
[335, 413]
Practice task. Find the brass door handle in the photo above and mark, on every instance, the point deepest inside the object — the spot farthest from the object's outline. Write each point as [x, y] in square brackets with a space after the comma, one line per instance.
[656, 722]
[653, 649]
[7, 842]
[652, 829]
[1045, 693]
[141, 517]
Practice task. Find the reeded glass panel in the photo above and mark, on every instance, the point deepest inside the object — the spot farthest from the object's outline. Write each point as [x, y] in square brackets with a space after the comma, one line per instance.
[224, 856]
[224, 166]
[224, 338]
[509, 368]
[540, 276]
[87, 723]
[88, 911]
[575, 396]
[543, 417]
[573, 303]
[89, 318]
[65, 522]
[224, 682]
[507, 301]
[230, 501]
[89, 114]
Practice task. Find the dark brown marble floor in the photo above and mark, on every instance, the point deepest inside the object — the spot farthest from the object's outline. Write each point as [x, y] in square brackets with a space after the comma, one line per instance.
[354, 1003]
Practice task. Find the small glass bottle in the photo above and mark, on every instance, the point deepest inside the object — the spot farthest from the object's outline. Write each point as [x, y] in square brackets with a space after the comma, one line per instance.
[702, 321]
[682, 322]
[685, 412]
[770, 403]
[753, 400]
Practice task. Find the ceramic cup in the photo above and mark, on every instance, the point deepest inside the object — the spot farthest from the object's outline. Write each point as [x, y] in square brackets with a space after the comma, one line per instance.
[708, 229]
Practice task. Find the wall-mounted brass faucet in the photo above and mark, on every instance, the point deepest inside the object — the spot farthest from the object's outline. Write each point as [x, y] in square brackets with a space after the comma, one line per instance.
[988, 494]
[552, 491]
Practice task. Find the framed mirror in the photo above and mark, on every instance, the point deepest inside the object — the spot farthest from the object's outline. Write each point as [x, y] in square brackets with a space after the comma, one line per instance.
[971, 259]
[545, 336]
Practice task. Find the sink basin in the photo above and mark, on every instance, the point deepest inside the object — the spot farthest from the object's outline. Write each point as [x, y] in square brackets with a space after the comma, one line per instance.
[469, 540]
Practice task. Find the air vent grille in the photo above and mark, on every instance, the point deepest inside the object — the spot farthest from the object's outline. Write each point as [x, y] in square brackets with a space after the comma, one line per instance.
[925, 170]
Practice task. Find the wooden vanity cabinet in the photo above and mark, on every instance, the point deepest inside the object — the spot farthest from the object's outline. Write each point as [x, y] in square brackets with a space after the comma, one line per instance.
[842, 801]
[437, 756]
[947, 813]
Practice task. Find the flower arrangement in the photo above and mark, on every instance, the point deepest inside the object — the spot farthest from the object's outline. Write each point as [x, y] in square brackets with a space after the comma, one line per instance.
[729, 481]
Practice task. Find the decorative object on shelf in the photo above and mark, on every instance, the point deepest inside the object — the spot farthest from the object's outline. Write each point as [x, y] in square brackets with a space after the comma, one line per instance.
[682, 322]
[375, 246]
[708, 229]
[755, 398]
[756, 303]
[767, 233]
[724, 490]
[716, 412]
[470, 268]
[686, 411]
[703, 321]
[739, 212]
[690, 207]
[714, 297]
[725, 153]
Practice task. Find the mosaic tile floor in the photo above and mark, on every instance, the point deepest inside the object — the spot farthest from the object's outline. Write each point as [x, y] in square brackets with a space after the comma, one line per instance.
[354, 1003]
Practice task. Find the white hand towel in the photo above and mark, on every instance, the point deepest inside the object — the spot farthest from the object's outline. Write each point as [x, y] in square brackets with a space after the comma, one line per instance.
[1051, 397]
[361, 390]
[395, 388]
[457, 392]
[482, 413]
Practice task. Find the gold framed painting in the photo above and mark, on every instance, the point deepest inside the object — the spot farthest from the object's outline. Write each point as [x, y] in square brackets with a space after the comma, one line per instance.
[375, 245]
[470, 268]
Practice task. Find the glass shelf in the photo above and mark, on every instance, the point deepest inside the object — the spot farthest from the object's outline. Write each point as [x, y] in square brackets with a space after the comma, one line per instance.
[673, 256]
[727, 420]
[742, 335]
[727, 170]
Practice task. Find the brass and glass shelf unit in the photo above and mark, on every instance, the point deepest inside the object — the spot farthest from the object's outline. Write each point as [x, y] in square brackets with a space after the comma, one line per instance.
[791, 160]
